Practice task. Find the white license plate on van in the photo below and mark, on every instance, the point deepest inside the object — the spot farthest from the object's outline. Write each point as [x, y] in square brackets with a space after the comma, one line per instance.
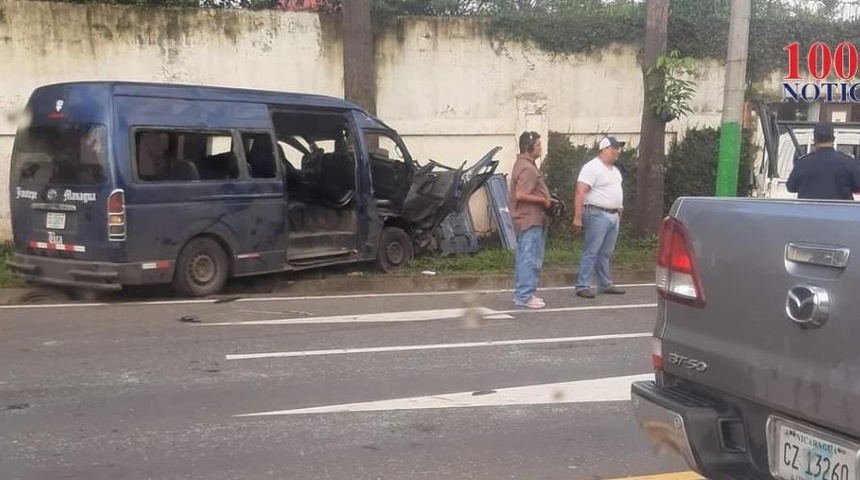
[55, 221]
[798, 452]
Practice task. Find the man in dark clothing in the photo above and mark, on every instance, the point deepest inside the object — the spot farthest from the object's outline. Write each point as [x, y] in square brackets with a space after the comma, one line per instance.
[824, 174]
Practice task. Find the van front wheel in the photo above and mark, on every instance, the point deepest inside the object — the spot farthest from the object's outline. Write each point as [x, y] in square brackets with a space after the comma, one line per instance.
[201, 268]
[395, 249]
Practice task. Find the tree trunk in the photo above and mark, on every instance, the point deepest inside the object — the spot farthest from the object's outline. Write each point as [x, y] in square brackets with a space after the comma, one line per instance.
[359, 72]
[648, 209]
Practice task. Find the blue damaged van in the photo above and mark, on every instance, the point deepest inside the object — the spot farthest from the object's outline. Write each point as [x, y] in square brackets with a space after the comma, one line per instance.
[119, 183]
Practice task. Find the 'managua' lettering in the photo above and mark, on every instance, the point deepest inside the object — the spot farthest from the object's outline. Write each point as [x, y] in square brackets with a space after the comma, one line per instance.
[70, 196]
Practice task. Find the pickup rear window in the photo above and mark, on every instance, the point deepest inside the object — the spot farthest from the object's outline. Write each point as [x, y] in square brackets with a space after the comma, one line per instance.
[64, 154]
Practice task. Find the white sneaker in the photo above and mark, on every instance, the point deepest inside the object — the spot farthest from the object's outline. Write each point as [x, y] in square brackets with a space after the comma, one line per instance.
[534, 302]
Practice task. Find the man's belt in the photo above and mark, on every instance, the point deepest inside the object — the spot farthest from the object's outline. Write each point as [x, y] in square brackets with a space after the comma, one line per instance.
[609, 210]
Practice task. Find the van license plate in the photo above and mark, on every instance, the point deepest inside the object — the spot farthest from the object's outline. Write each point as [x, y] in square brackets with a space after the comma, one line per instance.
[55, 221]
[803, 453]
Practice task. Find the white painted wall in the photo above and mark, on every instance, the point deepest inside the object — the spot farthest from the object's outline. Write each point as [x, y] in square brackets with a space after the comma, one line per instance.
[449, 89]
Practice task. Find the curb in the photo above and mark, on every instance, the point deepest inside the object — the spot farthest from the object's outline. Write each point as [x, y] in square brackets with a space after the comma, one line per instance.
[340, 285]
[423, 283]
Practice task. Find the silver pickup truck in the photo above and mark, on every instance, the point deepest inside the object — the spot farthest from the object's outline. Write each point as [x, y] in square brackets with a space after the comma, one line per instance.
[756, 347]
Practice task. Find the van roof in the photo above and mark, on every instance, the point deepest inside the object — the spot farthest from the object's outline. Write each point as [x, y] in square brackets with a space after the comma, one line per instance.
[201, 92]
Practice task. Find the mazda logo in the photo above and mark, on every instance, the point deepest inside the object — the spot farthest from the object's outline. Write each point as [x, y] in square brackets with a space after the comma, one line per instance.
[808, 305]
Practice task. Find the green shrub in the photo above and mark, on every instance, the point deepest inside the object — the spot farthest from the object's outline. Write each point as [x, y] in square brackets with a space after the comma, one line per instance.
[6, 278]
[691, 168]
[561, 168]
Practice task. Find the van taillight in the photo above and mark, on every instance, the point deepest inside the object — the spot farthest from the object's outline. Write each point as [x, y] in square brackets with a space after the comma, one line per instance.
[677, 277]
[116, 216]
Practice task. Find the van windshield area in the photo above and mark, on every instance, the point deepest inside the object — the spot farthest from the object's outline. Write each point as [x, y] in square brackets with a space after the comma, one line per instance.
[62, 154]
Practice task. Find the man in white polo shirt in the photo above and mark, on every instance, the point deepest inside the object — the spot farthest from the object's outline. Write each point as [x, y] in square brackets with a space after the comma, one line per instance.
[598, 204]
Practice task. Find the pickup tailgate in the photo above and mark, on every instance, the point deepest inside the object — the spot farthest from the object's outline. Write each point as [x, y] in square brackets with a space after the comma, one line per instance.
[759, 263]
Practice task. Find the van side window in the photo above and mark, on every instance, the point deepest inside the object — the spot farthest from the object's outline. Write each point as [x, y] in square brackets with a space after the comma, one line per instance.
[260, 155]
[388, 166]
[169, 156]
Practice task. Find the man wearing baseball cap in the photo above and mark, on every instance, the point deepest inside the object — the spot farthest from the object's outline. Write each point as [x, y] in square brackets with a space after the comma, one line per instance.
[598, 203]
[824, 174]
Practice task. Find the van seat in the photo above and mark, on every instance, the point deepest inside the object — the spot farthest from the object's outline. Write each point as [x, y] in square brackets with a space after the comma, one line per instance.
[337, 172]
[222, 166]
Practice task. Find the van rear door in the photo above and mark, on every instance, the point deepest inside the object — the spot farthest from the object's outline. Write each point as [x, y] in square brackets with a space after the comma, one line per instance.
[60, 192]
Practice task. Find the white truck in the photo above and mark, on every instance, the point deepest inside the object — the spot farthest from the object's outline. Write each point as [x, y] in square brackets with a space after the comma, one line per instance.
[785, 140]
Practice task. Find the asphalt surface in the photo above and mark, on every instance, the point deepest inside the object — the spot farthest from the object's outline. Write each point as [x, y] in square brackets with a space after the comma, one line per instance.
[203, 390]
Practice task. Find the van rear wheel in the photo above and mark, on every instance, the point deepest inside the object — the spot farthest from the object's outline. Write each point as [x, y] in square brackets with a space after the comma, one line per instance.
[395, 249]
[201, 268]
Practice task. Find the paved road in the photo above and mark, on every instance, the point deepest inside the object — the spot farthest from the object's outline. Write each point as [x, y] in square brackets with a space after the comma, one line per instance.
[425, 386]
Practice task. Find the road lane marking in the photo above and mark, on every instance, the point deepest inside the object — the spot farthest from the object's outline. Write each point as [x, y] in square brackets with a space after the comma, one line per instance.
[422, 315]
[383, 317]
[610, 389]
[284, 299]
[422, 294]
[581, 309]
[439, 346]
[667, 476]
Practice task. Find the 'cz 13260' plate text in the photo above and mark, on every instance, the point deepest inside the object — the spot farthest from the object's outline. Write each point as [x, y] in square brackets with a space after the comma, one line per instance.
[801, 453]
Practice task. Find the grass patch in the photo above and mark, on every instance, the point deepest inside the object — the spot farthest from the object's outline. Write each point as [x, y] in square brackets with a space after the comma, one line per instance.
[561, 254]
[6, 277]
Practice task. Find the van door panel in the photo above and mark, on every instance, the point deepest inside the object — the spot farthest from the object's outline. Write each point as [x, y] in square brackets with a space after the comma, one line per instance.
[431, 194]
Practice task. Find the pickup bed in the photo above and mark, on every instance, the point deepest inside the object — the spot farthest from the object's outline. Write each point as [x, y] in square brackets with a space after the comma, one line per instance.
[756, 347]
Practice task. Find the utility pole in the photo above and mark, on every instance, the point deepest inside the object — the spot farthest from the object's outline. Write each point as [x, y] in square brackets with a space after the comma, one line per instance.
[731, 132]
[359, 72]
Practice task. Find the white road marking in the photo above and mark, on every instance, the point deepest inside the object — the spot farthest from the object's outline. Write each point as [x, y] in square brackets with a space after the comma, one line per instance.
[284, 299]
[439, 346]
[610, 389]
[422, 315]
[582, 309]
[413, 316]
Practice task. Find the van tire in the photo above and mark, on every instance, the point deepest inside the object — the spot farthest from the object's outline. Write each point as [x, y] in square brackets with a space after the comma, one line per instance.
[202, 268]
[395, 249]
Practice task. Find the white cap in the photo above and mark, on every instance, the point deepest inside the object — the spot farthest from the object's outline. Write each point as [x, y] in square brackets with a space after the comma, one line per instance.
[607, 142]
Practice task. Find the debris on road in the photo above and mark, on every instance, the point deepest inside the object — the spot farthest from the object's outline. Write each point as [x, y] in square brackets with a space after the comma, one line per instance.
[228, 299]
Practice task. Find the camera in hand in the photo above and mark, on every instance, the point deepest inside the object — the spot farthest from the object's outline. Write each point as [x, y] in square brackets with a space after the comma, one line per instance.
[557, 209]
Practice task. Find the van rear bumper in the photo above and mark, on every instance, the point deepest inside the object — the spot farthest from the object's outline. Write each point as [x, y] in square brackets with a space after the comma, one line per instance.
[691, 427]
[85, 274]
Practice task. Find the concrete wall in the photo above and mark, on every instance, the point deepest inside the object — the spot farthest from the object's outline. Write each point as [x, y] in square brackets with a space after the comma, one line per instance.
[448, 88]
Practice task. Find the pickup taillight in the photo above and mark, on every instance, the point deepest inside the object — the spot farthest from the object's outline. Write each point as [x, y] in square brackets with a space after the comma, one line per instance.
[116, 216]
[677, 276]
[657, 354]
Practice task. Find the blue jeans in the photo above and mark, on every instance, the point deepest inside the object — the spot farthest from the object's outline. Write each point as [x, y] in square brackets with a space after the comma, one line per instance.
[528, 263]
[601, 233]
